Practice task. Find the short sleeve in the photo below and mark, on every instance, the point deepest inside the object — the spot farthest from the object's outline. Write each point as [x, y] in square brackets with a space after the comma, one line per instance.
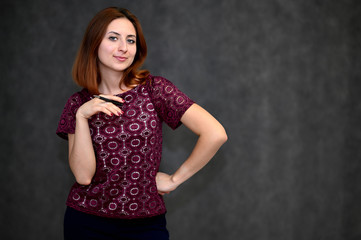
[67, 119]
[169, 102]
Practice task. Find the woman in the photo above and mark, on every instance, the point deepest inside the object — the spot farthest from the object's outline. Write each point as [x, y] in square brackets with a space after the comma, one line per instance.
[114, 131]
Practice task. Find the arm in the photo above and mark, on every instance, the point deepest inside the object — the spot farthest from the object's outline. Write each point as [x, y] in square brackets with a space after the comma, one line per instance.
[211, 137]
[81, 152]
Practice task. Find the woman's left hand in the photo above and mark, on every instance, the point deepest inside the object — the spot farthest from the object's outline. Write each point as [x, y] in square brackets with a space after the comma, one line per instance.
[165, 184]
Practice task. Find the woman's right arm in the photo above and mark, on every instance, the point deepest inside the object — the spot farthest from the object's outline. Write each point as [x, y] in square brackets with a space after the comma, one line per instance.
[81, 152]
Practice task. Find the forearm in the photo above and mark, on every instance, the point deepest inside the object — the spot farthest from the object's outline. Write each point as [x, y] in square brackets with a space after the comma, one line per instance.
[82, 159]
[206, 147]
[211, 137]
[81, 155]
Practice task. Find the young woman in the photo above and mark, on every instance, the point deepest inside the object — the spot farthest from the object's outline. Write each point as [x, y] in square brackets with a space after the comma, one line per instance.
[114, 130]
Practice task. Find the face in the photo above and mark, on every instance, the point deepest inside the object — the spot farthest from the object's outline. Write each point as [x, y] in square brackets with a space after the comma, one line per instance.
[118, 48]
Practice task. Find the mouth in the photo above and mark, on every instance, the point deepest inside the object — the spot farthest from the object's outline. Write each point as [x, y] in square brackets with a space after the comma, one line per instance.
[121, 59]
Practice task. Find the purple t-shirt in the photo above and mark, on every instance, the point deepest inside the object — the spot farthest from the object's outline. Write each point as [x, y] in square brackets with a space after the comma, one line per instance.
[128, 150]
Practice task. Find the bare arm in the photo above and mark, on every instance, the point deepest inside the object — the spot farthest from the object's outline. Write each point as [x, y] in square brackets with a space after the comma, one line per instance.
[211, 137]
[81, 152]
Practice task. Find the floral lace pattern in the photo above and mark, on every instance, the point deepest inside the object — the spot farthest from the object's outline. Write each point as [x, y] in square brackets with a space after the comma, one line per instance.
[128, 150]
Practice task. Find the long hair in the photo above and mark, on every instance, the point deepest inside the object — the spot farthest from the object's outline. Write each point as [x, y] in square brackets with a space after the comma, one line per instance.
[85, 69]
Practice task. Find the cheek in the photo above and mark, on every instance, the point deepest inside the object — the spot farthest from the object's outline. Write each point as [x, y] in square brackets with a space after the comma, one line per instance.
[101, 53]
[133, 51]
[104, 49]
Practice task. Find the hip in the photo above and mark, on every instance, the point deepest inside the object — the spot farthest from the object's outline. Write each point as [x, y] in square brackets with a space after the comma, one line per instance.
[78, 224]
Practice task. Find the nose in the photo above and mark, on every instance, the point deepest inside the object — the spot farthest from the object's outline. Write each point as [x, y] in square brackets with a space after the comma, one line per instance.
[123, 46]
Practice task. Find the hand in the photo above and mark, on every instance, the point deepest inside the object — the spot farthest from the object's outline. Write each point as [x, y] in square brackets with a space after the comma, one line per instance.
[96, 105]
[165, 183]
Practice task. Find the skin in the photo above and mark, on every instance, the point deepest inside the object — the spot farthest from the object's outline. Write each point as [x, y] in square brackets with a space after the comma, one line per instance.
[116, 53]
[211, 137]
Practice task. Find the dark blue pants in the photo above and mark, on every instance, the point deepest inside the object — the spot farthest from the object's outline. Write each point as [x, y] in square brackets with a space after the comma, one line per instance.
[79, 226]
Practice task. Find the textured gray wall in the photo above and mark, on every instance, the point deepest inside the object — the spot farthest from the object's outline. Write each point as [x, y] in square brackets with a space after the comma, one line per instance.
[283, 76]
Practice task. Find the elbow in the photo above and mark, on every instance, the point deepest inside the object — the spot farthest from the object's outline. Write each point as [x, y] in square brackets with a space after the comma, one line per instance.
[82, 177]
[83, 172]
[220, 136]
[83, 180]
[223, 137]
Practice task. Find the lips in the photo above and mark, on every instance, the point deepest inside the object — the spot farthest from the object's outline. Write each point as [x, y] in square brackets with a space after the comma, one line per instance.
[121, 59]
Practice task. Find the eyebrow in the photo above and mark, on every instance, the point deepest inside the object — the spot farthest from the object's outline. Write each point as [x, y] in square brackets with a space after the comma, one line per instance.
[130, 35]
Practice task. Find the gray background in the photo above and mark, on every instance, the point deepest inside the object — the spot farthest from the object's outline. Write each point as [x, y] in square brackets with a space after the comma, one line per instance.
[283, 77]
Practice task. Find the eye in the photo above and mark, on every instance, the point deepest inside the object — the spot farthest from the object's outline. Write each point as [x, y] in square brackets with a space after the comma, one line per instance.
[131, 41]
[113, 38]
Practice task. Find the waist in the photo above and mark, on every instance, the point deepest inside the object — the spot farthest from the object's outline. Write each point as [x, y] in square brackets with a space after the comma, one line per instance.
[124, 222]
[126, 201]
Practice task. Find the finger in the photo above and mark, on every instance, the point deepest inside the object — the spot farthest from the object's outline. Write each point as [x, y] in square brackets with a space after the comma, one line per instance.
[108, 108]
[115, 109]
[112, 97]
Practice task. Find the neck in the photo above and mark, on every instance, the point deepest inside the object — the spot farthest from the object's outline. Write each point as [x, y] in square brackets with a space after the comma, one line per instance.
[109, 83]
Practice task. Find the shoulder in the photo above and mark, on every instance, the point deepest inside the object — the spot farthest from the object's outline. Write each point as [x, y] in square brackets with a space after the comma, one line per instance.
[79, 97]
[156, 82]
[154, 79]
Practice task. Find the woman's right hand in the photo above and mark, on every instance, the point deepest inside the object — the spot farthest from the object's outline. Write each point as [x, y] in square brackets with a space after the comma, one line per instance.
[97, 105]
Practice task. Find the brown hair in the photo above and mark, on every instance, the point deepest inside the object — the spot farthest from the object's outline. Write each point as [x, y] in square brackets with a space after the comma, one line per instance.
[85, 69]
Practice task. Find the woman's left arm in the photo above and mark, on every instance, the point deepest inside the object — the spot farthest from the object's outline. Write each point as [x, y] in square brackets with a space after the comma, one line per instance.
[211, 137]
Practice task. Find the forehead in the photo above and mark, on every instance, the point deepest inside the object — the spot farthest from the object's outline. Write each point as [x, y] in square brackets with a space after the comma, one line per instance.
[121, 26]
